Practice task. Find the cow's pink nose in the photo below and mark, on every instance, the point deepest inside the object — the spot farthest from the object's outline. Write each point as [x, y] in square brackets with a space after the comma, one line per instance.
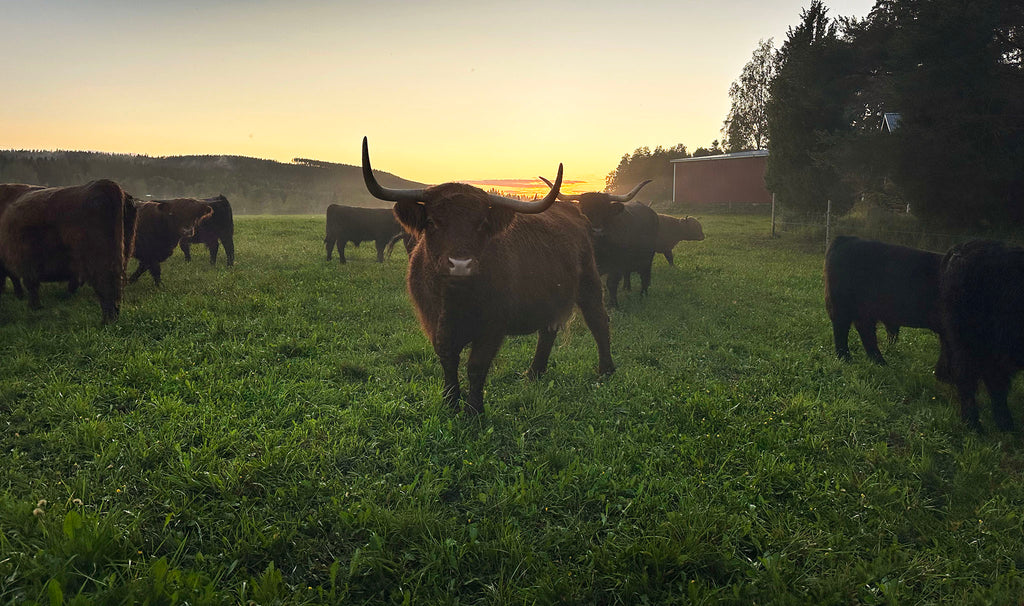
[461, 267]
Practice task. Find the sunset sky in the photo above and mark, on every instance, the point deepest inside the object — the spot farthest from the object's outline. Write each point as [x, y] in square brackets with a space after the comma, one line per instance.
[445, 90]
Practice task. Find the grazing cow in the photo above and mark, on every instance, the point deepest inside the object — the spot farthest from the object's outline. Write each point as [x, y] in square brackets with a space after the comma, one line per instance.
[356, 224]
[624, 235]
[82, 234]
[161, 226]
[867, 282]
[485, 266]
[982, 309]
[218, 228]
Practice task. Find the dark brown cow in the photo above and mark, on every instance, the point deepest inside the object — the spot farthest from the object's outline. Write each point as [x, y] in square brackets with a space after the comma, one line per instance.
[867, 282]
[217, 229]
[82, 234]
[624, 235]
[982, 308]
[485, 267]
[9, 192]
[356, 224]
[672, 231]
[160, 227]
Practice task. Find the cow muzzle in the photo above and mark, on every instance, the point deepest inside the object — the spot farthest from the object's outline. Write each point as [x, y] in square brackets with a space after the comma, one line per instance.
[462, 267]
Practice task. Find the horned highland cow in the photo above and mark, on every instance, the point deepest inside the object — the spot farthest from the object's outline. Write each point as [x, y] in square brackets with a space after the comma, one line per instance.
[485, 266]
[623, 233]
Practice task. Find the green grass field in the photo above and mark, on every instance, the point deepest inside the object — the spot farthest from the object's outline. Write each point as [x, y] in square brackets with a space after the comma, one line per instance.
[274, 433]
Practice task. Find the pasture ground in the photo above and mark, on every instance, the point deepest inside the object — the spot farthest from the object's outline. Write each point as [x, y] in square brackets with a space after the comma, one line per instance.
[274, 433]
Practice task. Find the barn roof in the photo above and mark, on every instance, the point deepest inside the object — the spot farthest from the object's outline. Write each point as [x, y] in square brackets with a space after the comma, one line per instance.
[757, 153]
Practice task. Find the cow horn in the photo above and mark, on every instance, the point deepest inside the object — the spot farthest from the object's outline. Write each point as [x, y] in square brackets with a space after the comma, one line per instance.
[561, 196]
[629, 196]
[530, 207]
[391, 195]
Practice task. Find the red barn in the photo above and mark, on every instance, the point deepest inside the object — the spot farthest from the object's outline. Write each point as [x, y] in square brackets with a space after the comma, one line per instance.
[722, 179]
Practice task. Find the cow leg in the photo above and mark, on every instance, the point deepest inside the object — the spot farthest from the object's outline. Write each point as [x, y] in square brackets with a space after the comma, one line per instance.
[841, 337]
[381, 245]
[645, 273]
[186, 249]
[229, 249]
[141, 269]
[669, 257]
[213, 247]
[869, 338]
[893, 330]
[613, 287]
[626, 284]
[154, 270]
[967, 390]
[329, 245]
[73, 285]
[998, 385]
[480, 357]
[596, 317]
[107, 292]
[32, 286]
[341, 250]
[545, 340]
[16, 285]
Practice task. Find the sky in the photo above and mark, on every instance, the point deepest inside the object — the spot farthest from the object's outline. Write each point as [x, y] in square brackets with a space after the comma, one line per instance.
[447, 90]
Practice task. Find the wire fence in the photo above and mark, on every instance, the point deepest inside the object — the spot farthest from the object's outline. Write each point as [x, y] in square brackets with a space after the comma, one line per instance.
[885, 225]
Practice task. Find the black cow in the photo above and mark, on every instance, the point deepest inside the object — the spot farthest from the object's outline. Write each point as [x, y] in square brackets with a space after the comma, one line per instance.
[624, 235]
[982, 309]
[218, 228]
[867, 282]
[356, 224]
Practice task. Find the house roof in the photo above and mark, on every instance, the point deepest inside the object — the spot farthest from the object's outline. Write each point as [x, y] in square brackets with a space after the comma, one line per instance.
[744, 154]
[891, 121]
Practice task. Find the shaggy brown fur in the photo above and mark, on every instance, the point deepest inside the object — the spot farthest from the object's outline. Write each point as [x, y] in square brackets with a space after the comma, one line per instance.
[481, 272]
[218, 228]
[82, 234]
[160, 227]
[9, 192]
[355, 224]
[867, 282]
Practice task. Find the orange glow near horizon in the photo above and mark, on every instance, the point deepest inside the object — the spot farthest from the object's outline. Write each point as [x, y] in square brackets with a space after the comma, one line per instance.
[442, 92]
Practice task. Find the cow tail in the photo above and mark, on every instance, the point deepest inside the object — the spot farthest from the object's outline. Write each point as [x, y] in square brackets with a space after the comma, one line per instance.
[391, 243]
[128, 219]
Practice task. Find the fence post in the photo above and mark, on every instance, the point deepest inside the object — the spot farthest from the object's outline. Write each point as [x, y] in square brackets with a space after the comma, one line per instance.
[828, 222]
[773, 215]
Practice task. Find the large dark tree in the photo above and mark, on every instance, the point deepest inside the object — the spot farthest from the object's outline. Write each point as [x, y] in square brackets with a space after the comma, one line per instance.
[808, 109]
[958, 82]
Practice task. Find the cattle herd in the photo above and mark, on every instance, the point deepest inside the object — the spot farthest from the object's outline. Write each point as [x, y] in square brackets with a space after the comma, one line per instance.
[483, 266]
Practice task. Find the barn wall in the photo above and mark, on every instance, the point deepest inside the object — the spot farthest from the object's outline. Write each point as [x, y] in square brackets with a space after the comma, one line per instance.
[717, 181]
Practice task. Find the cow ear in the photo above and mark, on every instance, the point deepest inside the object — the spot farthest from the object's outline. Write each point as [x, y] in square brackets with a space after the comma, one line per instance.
[617, 207]
[412, 215]
[499, 218]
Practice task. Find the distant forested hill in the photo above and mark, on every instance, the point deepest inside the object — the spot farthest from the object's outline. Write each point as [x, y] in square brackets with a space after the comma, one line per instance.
[252, 185]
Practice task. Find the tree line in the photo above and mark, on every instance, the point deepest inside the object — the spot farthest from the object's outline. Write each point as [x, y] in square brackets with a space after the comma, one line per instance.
[950, 73]
[252, 185]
